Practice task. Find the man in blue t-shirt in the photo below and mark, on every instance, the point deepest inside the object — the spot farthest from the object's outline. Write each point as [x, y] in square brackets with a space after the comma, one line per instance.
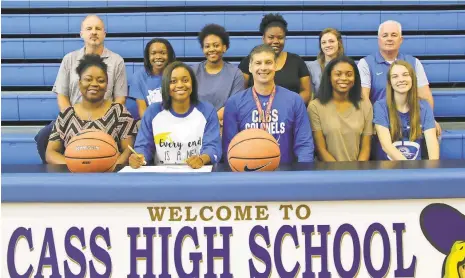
[279, 111]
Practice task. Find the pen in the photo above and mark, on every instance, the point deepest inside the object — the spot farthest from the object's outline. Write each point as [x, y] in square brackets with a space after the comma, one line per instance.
[134, 152]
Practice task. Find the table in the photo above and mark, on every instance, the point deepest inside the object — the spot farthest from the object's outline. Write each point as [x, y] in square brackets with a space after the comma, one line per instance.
[371, 180]
[248, 223]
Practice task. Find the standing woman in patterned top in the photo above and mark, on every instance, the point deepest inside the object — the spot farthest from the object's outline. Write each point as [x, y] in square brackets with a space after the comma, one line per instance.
[331, 47]
[94, 112]
[291, 71]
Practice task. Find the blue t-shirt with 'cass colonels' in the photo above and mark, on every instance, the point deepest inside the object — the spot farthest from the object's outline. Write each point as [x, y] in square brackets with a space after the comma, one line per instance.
[289, 125]
[411, 150]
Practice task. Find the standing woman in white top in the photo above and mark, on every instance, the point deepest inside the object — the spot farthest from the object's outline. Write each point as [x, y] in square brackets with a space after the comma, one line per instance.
[330, 47]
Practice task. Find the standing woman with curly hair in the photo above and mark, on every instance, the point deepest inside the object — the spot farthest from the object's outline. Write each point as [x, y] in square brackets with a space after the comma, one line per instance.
[291, 71]
[331, 47]
[217, 79]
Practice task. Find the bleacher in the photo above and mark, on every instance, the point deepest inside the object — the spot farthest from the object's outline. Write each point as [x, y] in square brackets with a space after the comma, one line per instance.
[37, 34]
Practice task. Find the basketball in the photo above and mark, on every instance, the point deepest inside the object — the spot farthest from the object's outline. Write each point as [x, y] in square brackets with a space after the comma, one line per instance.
[91, 151]
[253, 150]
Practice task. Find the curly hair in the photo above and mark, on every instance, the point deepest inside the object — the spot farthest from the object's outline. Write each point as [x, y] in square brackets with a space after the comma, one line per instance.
[91, 60]
[273, 20]
[214, 29]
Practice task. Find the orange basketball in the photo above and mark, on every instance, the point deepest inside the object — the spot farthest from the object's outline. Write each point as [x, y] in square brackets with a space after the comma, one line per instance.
[253, 150]
[91, 151]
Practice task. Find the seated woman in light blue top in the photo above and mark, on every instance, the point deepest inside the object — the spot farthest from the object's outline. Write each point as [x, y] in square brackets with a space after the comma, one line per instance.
[330, 47]
[217, 79]
[146, 82]
[403, 120]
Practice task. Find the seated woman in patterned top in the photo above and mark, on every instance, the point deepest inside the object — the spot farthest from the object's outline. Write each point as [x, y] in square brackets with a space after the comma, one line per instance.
[94, 112]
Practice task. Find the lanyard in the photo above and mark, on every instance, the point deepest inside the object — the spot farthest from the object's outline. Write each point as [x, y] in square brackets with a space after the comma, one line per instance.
[264, 116]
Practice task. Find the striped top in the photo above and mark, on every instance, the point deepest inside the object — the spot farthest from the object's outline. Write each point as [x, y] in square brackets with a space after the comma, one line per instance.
[117, 122]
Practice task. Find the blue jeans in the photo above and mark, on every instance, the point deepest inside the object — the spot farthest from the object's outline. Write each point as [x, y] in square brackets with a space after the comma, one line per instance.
[42, 140]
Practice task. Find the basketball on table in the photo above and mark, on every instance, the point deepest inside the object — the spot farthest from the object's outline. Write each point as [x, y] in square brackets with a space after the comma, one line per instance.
[253, 150]
[91, 151]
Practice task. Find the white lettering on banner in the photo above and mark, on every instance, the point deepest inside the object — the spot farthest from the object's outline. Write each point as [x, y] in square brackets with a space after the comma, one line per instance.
[289, 239]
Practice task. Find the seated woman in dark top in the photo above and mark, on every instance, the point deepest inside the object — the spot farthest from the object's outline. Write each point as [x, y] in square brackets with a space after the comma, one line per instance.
[291, 71]
[94, 112]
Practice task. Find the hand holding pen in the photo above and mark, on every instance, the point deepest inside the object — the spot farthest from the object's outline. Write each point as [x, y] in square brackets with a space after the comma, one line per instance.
[136, 159]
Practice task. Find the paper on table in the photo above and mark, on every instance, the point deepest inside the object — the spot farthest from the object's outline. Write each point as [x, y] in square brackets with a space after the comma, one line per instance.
[167, 169]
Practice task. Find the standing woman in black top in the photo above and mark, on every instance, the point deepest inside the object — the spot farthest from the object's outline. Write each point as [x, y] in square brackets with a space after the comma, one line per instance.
[291, 72]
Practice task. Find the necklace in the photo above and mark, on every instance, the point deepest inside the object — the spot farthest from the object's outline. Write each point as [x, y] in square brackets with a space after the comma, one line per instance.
[264, 116]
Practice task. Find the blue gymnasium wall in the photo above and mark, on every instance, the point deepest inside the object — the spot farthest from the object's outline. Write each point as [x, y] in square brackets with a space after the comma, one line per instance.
[37, 34]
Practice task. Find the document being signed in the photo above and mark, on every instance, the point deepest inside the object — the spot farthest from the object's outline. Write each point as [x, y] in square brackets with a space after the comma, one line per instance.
[167, 169]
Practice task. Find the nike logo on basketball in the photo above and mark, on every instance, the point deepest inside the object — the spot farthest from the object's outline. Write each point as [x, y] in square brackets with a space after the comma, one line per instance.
[247, 169]
[379, 73]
